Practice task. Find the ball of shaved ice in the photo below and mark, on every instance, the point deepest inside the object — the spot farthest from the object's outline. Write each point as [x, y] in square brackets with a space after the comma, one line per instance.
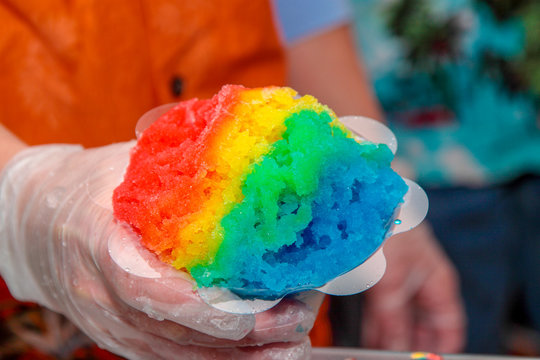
[259, 191]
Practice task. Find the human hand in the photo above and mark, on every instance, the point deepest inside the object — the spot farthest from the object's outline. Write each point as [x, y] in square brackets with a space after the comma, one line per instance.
[55, 234]
[416, 305]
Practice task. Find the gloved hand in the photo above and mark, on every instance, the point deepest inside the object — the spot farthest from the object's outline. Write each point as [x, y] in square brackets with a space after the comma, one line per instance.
[416, 306]
[54, 249]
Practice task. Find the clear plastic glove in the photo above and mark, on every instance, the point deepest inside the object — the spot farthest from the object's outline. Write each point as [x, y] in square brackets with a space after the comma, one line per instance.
[417, 305]
[54, 250]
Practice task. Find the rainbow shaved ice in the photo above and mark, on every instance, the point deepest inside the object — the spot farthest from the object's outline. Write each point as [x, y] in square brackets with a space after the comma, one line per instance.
[259, 191]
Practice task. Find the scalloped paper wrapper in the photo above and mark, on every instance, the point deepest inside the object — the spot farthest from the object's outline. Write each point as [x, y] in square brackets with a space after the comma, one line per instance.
[131, 256]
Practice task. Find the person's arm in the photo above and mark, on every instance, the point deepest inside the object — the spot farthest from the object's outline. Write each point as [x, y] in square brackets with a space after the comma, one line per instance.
[9, 146]
[326, 66]
[417, 304]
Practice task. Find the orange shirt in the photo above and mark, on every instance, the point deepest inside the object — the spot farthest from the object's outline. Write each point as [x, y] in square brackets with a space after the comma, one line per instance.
[84, 71]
